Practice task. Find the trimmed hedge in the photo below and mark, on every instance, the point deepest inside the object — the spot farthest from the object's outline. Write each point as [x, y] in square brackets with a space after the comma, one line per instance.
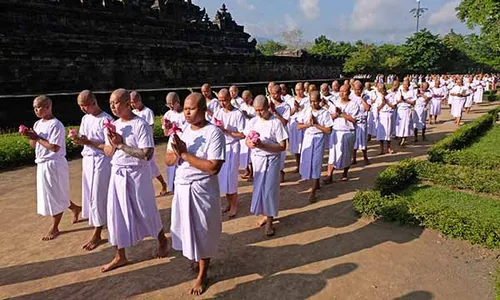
[396, 177]
[456, 214]
[463, 137]
[15, 150]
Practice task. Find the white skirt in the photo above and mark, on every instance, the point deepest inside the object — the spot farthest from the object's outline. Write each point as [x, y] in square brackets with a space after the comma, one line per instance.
[478, 96]
[361, 141]
[456, 107]
[435, 107]
[52, 187]
[340, 154]
[372, 123]
[311, 157]
[295, 138]
[266, 185]
[196, 218]
[419, 117]
[96, 171]
[469, 101]
[384, 127]
[132, 211]
[244, 154]
[403, 123]
[228, 175]
[171, 177]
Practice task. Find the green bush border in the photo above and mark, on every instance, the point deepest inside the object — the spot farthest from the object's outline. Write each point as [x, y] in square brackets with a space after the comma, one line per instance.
[463, 137]
[15, 150]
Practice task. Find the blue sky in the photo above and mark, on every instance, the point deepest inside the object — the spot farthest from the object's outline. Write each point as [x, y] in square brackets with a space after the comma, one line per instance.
[375, 21]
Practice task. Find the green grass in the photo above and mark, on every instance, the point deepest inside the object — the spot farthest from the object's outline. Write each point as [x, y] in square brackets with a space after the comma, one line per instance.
[484, 153]
[454, 213]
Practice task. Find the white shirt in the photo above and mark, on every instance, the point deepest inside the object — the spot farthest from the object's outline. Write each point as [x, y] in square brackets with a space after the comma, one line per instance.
[136, 133]
[237, 102]
[409, 95]
[248, 109]
[362, 114]
[212, 106]
[459, 90]
[233, 120]
[322, 116]
[271, 131]
[175, 117]
[206, 143]
[284, 110]
[147, 114]
[93, 128]
[303, 103]
[341, 124]
[53, 132]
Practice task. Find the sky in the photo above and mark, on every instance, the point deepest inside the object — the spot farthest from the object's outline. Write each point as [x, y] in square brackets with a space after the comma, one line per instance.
[375, 21]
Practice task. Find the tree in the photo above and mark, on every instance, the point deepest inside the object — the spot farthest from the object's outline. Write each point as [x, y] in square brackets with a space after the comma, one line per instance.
[324, 46]
[270, 47]
[362, 61]
[484, 13]
[423, 53]
[293, 39]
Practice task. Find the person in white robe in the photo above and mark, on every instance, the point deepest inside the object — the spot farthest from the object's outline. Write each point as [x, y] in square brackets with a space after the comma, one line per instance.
[199, 152]
[469, 101]
[266, 151]
[148, 115]
[236, 100]
[296, 104]
[460, 93]
[361, 142]
[212, 104]
[419, 116]
[478, 94]
[385, 105]
[96, 166]
[405, 100]
[280, 110]
[233, 124]
[316, 123]
[344, 113]
[369, 95]
[132, 212]
[174, 115]
[438, 96]
[249, 113]
[48, 139]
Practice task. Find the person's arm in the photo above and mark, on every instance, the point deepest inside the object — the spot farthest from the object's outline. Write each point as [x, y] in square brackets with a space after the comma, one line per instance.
[348, 117]
[83, 140]
[365, 104]
[117, 142]
[271, 147]
[234, 134]
[44, 143]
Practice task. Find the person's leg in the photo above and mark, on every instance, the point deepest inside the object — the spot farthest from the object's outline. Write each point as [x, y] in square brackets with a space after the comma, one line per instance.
[163, 191]
[95, 240]
[119, 260]
[201, 281]
[54, 229]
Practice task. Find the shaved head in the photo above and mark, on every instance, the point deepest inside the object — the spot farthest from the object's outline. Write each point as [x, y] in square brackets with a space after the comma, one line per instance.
[260, 100]
[135, 96]
[86, 97]
[197, 98]
[172, 97]
[275, 89]
[246, 93]
[122, 95]
[43, 100]
[223, 93]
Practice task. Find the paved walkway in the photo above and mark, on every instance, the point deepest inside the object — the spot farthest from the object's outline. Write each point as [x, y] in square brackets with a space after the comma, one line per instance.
[320, 251]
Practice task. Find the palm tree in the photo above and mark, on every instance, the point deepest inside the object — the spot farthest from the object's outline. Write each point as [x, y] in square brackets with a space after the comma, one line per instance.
[418, 12]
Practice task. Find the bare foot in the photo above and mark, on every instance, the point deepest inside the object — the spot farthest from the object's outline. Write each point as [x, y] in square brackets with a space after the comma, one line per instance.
[195, 266]
[199, 286]
[390, 151]
[269, 229]
[162, 193]
[232, 213]
[92, 244]
[345, 179]
[115, 263]
[52, 234]
[161, 251]
[312, 198]
[245, 176]
[262, 222]
[76, 213]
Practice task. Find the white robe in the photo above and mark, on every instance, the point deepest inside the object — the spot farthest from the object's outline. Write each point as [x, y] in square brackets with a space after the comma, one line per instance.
[196, 214]
[295, 135]
[179, 119]
[284, 110]
[419, 116]
[233, 120]
[266, 166]
[311, 156]
[386, 119]
[361, 142]
[457, 104]
[478, 95]
[96, 170]
[435, 103]
[244, 150]
[343, 136]
[52, 180]
[404, 124]
[132, 211]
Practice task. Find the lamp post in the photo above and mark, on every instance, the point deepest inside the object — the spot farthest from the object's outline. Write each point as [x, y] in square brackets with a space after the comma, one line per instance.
[418, 13]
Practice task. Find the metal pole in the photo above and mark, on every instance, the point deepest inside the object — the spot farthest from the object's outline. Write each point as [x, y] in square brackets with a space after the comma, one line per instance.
[418, 13]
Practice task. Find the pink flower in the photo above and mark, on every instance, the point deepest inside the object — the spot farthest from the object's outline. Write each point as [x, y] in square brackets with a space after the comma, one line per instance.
[173, 129]
[23, 129]
[218, 122]
[109, 125]
[253, 136]
[72, 133]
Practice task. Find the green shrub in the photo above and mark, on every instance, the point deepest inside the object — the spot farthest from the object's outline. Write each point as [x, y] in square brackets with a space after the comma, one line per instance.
[396, 177]
[459, 177]
[456, 214]
[492, 97]
[461, 138]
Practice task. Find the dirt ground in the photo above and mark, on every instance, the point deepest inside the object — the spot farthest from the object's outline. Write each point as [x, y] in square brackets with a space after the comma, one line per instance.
[320, 251]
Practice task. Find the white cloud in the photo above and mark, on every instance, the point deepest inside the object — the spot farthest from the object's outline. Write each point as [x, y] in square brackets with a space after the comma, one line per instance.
[290, 22]
[446, 15]
[378, 16]
[244, 4]
[310, 8]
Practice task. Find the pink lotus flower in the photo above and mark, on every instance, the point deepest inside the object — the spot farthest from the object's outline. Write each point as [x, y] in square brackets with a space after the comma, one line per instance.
[72, 133]
[173, 129]
[109, 125]
[218, 122]
[253, 136]
[23, 129]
